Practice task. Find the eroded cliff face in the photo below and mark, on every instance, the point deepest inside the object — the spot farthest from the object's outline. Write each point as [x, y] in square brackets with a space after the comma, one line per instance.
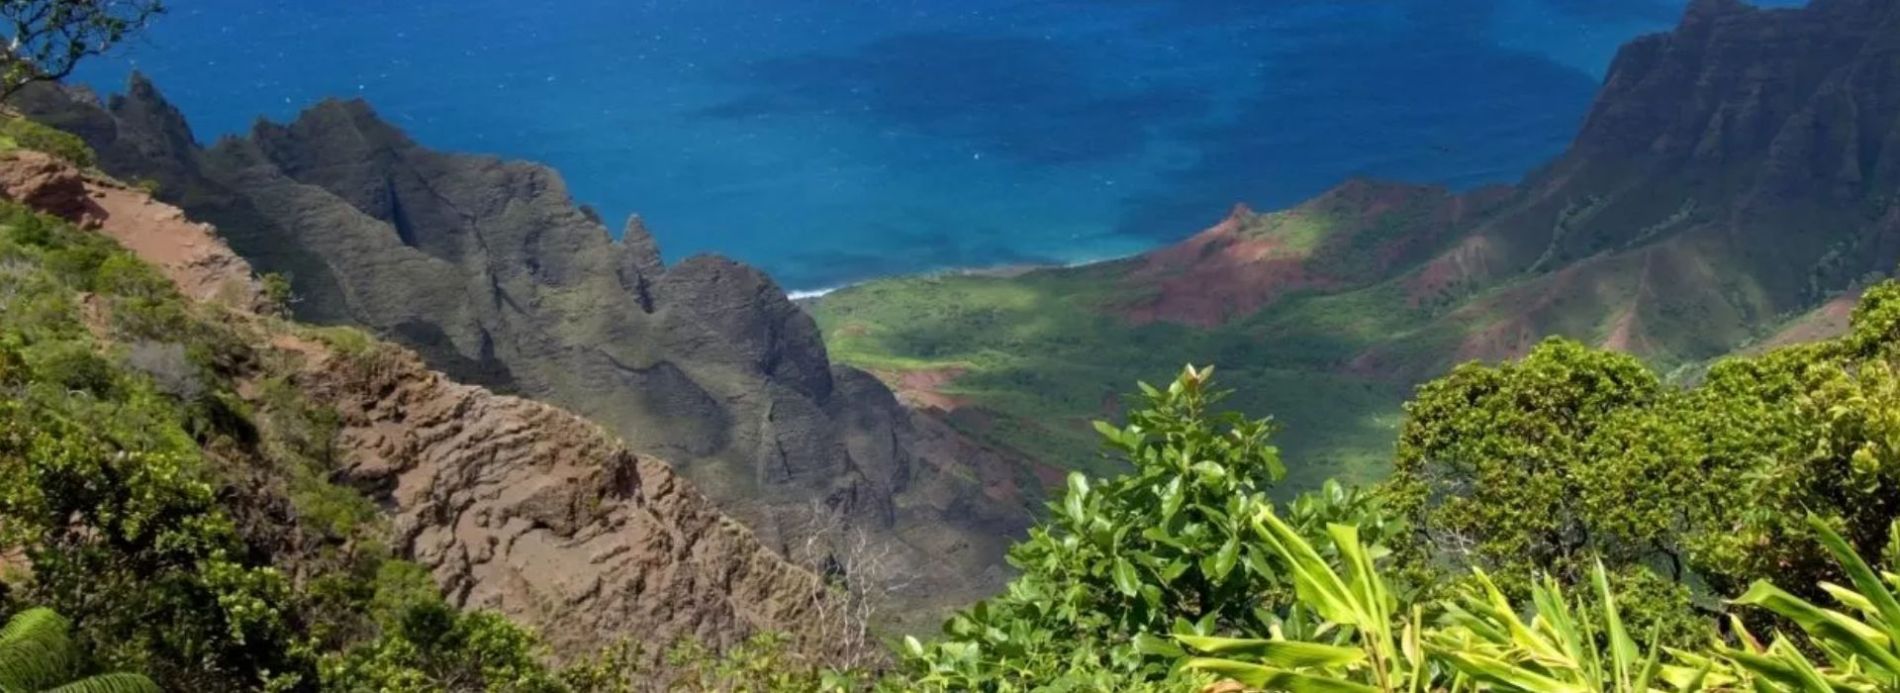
[513, 505]
[492, 273]
[532, 511]
[1741, 168]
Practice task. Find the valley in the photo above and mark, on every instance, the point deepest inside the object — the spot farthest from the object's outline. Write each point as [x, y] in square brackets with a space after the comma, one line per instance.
[1675, 234]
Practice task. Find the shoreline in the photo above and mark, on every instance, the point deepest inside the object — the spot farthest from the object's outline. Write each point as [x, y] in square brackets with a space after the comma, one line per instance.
[997, 271]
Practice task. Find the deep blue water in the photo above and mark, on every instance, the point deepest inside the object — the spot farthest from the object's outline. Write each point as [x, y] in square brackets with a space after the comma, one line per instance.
[833, 140]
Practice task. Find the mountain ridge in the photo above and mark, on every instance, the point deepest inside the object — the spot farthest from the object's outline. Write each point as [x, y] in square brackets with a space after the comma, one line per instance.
[511, 505]
[1732, 173]
[492, 273]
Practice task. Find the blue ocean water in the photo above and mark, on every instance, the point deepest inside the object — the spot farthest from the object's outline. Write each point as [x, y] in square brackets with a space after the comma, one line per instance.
[833, 140]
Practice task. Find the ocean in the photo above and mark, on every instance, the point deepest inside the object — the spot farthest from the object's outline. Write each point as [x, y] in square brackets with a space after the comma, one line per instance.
[830, 141]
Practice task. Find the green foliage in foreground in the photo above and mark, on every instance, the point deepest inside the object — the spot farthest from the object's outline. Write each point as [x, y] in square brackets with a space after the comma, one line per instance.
[1558, 525]
[37, 654]
[1573, 456]
[1482, 641]
[1165, 548]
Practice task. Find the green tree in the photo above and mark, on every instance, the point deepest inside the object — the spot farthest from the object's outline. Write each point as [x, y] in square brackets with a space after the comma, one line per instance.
[1550, 464]
[37, 654]
[46, 39]
[1163, 548]
[1574, 455]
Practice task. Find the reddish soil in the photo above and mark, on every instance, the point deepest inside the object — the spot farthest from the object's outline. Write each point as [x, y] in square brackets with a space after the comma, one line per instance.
[1216, 275]
[1626, 333]
[923, 388]
[190, 254]
[1227, 272]
[1826, 322]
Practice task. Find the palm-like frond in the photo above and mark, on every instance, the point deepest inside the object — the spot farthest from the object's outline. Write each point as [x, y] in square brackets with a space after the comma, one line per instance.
[110, 683]
[1862, 648]
[1484, 642]
[36, 652]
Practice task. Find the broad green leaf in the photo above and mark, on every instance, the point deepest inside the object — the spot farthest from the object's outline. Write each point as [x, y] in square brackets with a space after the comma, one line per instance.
[1623, 651]
[1770, 667]
[1265, 677]
[1315, 582]
[1157, 646]
[1171, 499]
[1832, 626]
[1126, 580]
[1074, 502]
[1223, 560]
[1289, 654]
[1865, 580]
[1506, 674]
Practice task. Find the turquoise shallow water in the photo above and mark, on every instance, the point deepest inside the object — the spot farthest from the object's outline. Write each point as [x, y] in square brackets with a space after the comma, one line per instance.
[830, 140]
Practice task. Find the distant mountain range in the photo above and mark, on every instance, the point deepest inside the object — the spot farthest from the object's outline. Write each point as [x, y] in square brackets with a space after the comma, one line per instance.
[1732, 175]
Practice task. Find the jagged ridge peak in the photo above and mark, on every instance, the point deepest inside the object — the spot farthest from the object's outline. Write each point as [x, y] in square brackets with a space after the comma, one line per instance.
[493, 273]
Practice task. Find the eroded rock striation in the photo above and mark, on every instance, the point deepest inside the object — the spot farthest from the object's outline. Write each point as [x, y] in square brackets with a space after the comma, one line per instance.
[513, 505]
[490, 271]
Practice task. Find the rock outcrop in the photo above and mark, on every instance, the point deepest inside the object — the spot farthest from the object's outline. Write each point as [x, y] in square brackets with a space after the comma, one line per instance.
[490, 271]
[529, 510]
[513, 505]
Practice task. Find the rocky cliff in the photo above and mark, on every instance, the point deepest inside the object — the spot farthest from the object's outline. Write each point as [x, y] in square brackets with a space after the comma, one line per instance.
[1736, 170]
[490, 271]
[1733, 173]
[513, 505]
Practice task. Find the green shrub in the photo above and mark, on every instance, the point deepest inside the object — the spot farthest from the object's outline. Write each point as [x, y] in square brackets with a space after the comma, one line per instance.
[278, 292]
[431, 646]
[1165, 548]
[26, 134]
[1573, 455]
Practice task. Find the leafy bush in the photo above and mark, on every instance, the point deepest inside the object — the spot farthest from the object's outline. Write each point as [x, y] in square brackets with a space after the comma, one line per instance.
[1574, 455]
[1162, 549]
[431, 646]
[26, 134]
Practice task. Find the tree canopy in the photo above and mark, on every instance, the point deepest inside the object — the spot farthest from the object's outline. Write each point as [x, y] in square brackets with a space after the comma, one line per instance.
[46, 39]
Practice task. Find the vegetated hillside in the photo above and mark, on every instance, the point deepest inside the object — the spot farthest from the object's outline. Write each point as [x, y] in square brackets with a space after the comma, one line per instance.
[493, 274]
[1733, 173]
[223, 498]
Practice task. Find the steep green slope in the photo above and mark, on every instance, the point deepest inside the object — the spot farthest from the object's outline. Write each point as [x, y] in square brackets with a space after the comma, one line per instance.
[226, 499]
[1734, 174]
[192, 533]
[1027, 362]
